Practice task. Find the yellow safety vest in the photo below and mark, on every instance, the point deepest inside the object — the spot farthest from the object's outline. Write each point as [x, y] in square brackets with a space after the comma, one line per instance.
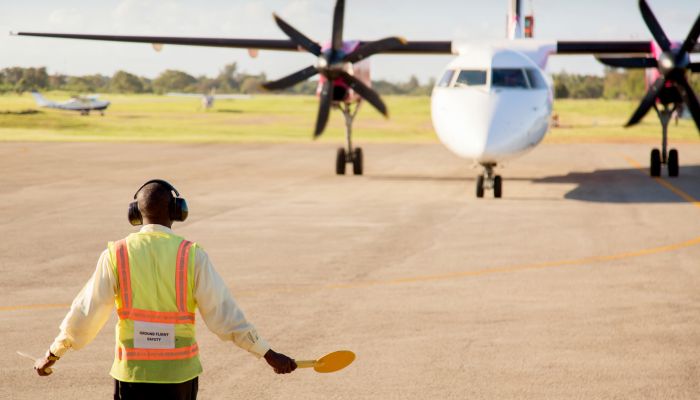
[155, 332]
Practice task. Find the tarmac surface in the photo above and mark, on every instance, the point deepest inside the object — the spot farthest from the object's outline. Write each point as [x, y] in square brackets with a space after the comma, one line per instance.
[582, 282]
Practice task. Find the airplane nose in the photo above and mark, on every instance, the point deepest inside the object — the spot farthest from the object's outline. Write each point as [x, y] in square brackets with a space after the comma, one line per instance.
[515, 124]
[488, 126]
[461, 119]
[504, 123]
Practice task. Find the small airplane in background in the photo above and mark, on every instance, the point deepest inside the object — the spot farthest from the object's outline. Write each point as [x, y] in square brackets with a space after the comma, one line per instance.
[493, 102]
[82, 104]
[208, 99]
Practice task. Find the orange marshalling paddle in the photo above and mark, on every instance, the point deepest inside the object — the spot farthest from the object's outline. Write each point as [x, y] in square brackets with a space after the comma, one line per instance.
[331, 362]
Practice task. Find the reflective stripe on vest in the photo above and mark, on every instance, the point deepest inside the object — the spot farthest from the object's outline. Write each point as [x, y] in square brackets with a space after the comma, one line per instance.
[182, 316]
[158, 354]
[183, 254]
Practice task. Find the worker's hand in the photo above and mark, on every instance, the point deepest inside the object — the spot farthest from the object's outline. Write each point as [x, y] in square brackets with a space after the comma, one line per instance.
[41, 366]
[279, 362]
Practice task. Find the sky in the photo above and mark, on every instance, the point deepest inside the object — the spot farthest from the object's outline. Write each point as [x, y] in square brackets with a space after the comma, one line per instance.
[364, 20]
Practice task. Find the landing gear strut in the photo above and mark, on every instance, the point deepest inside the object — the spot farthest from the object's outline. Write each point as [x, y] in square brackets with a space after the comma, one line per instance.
[659, 158]
[348, 155]
[488, 181]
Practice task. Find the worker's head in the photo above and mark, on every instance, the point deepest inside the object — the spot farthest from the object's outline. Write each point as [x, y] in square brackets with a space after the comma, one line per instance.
[157, 202]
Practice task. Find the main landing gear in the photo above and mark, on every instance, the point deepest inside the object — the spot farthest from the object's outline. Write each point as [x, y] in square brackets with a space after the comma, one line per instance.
[489, 181]
[349, 155]
[664, 157]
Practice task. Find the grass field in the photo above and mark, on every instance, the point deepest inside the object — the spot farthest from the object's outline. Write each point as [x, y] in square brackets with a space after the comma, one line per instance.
[281, 118]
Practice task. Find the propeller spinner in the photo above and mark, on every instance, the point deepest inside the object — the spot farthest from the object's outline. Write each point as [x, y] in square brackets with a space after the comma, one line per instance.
[673, 64]
[333, 64]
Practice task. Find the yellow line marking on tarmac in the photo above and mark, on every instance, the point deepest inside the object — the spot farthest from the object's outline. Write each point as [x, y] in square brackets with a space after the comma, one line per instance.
[522, 267]
[481, 272]
[663, 182]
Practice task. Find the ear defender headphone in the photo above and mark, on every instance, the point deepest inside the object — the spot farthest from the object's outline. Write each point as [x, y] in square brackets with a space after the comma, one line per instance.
[177, 206]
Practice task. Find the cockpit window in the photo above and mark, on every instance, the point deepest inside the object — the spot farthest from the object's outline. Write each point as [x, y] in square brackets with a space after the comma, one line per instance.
[508, 77]
[535, 78]
[470, 78]
[446, 78]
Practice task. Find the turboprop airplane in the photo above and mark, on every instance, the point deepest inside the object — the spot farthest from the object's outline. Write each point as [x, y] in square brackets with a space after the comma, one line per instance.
[493, 102]
[81, 104]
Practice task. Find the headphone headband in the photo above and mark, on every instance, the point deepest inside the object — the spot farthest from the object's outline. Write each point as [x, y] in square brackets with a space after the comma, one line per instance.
[162, 182]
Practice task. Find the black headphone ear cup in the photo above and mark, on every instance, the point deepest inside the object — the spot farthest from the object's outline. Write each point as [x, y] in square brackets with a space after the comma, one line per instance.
[135, 217]
[179, 210]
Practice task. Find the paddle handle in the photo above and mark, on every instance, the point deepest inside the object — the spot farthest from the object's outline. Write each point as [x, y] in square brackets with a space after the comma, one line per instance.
[305, 363]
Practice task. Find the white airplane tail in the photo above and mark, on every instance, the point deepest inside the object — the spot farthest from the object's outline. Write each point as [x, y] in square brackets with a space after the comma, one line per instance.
[518, 26]
[40, 100]
[514, 23]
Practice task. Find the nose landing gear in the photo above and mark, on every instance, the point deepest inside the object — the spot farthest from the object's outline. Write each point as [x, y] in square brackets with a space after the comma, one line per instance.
[489, 181]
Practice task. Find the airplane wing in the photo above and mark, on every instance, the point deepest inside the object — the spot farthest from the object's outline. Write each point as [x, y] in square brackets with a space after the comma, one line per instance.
[603, 47]
[262, 44]
[610, 47]
[409, 47]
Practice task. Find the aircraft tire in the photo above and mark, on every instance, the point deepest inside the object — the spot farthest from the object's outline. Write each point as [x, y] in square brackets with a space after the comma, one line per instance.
[673, 168]
[340, 162]
[497, 187]
[357, 162]
[480, 186]
[655, 163]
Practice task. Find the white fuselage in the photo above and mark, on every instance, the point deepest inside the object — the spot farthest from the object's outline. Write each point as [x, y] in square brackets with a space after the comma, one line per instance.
[493, 102]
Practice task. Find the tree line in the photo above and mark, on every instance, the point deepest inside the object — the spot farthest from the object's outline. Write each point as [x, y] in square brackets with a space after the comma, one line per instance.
[614, 84]
[228, 80]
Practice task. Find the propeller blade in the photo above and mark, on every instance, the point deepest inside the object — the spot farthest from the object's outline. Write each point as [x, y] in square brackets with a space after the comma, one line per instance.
[298, 37]
[692, 38]
[367, 93]
[292, 79]
[694, 67]
[647, 102]
[690, 99]
[375, 47]
[324, 107]
[631, 62]
[338, 15]
[654, 26]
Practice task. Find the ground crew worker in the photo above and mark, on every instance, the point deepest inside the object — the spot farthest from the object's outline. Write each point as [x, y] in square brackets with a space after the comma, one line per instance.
[157, 279]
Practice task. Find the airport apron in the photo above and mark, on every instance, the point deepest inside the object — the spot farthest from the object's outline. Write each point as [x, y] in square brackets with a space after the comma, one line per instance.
[155, 334]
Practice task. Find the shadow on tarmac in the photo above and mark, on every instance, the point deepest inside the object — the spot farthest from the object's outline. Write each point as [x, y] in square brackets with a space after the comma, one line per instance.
[628, 185]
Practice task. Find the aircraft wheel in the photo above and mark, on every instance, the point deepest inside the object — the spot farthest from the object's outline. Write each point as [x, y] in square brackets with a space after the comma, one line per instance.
[497, 187]
[480, 186]
[673, 168]
[655, 165]
[340, 162]
[357, 162]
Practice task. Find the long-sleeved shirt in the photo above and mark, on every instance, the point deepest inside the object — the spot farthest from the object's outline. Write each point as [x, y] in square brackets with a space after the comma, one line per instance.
[92, 307]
